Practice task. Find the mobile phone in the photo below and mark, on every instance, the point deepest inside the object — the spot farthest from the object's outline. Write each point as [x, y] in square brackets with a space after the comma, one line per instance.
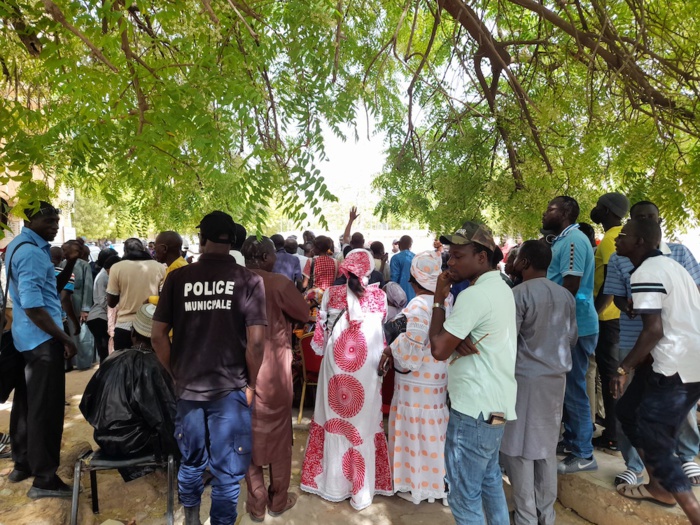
[497, 418]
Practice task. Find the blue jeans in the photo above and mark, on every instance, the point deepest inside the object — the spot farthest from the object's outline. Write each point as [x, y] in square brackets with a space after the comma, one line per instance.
[688, 438]
[578, 427]
[473, 483]
[216, 434]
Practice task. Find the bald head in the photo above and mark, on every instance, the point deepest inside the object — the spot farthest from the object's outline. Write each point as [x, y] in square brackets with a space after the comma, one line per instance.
[405, 243]
[357, 240]
[168, 247]
[291, 245]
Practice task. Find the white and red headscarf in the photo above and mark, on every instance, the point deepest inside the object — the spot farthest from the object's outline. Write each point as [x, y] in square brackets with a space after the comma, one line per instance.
[360, 263]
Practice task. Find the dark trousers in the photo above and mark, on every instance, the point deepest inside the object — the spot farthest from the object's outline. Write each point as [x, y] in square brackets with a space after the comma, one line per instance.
[98, 327]
[36, 421]
[651, 413]
[607, 357]
[216, 434]
[122, 338]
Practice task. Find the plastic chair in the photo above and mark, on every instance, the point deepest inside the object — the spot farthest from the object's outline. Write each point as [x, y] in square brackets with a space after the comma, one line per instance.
[94, 461]
[310, 367]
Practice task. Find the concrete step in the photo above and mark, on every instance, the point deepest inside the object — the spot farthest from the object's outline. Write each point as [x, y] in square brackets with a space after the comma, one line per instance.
[593, 497]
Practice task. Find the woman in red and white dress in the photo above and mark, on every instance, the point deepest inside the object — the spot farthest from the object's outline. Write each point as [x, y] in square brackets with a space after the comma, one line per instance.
[347, 454]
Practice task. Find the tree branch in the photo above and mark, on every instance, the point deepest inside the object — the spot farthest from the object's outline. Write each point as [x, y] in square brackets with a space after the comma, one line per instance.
[208, 10]
[55, 12]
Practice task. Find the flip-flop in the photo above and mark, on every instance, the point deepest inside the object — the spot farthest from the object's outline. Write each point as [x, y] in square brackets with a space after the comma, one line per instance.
[692, 471]
[628, 477]
[640, 493]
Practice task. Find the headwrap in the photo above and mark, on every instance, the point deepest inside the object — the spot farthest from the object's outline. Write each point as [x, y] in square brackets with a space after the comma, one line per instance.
[360, 263]
[395, 295]
[426, 267]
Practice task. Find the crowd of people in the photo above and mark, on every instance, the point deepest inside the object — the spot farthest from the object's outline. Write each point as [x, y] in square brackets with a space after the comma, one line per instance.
[489, 366]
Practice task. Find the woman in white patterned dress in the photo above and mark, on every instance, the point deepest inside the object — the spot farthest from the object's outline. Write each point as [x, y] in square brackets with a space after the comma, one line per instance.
[347, 454]
[419, 414]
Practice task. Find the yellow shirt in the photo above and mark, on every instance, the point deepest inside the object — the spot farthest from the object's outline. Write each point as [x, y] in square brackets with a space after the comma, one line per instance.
[177, 263]
[602, 255]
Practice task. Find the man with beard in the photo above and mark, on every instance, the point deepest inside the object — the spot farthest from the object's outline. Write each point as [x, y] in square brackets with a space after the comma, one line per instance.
[573, 267]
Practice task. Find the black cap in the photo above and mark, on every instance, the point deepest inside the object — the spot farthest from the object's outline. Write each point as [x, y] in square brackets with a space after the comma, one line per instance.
[218, 227]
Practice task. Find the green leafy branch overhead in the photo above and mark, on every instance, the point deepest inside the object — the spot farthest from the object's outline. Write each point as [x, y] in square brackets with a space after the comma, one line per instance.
[489, 107]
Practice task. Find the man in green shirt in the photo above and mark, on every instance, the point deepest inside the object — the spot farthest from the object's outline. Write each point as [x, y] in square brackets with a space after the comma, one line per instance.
[480, 339]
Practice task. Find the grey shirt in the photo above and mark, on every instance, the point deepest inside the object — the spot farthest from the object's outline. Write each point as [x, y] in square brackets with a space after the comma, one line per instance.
[99, 297]
[547, 330]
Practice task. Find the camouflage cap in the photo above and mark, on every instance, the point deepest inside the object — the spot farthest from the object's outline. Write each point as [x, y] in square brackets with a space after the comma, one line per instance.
[471, 232]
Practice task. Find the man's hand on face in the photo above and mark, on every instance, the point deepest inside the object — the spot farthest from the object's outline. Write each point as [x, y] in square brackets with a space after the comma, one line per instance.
[442, 288]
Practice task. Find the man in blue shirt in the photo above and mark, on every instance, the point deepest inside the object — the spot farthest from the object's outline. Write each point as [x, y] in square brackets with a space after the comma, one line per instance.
[36, 422]
[286, 264]
[573, 267]
[401, 266]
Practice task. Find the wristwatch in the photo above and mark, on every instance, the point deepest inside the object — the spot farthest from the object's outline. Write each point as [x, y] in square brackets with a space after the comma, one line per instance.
[439, 305]
[621, 371]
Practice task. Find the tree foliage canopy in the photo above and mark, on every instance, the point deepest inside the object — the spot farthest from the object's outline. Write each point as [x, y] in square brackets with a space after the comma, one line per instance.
[489, 107]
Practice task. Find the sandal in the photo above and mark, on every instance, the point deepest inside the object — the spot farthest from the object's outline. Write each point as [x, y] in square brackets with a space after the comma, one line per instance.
[692, 470]
[640, 492]
[629, 477]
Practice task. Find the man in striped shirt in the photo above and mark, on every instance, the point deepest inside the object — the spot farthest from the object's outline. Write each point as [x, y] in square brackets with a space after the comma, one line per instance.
[617, 284]
[667, 298]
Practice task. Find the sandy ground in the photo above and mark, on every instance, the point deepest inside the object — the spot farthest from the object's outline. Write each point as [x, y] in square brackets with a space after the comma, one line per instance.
[143, 500]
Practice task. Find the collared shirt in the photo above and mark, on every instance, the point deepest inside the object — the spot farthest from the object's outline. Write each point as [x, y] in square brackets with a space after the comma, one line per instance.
[484, 383]
[662, 286]
[177, 263]
[134, 282]
[602, 255]
[32, 285]
[401, 271]
[617, 282]
[209, 304]
[287, 265]
[572, 254]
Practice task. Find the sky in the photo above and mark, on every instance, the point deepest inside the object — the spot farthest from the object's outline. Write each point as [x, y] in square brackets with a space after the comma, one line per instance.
[352, 161]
